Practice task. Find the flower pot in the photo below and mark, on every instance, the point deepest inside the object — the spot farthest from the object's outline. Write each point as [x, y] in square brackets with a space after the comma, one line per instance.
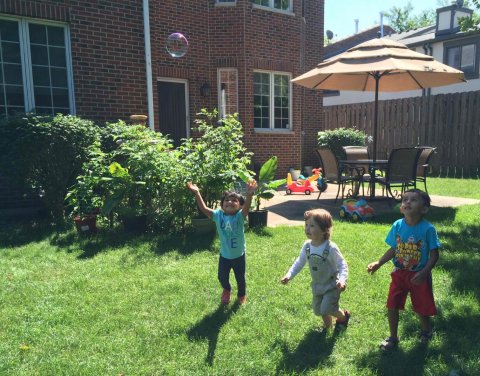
[135, 224]
[86, 225]
[257, 218]
[203, 225]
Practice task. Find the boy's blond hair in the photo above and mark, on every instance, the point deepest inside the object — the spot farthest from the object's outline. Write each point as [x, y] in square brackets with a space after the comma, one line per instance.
[323, 218]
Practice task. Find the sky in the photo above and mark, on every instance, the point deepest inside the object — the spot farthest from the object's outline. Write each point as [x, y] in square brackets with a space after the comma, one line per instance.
[340, 14]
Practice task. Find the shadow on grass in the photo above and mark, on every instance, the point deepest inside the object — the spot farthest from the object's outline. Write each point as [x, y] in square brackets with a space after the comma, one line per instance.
[16, 233]
[261, 231]
[435, 214]
[209, 328]
[313, 351]
[113, 239]
[396, 362]
[458, 335]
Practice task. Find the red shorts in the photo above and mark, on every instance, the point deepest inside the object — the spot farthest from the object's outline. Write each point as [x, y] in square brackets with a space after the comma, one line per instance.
[421, 295]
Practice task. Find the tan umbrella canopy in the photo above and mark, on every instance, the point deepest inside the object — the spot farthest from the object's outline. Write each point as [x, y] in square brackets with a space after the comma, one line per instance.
[379, 65]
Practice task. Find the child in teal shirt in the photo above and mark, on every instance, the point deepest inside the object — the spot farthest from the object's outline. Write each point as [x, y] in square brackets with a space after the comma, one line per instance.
[230, 224]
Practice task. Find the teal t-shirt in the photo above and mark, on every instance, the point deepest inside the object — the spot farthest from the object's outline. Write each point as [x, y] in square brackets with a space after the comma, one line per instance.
[412, 244]
[231, 230]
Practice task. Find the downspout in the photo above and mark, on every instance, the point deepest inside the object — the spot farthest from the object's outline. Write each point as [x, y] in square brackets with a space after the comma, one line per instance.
[425, 51]
[430, 52]
[148, 64]
[428, 49]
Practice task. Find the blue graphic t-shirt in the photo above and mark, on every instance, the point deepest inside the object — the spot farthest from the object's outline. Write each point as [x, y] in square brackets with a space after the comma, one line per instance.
[231, 230]
[412, 244]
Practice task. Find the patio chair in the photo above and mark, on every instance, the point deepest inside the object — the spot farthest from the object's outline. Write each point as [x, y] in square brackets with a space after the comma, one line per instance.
[423, 164]
[332, 172]
[354, 153]
[401, 172]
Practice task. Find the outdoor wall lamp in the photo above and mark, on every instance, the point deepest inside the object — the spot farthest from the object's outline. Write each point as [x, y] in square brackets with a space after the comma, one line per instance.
[205, 90]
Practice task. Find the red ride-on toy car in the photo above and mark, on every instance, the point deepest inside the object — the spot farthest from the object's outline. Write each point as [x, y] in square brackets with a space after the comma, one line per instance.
[358, 210]
[302, 185]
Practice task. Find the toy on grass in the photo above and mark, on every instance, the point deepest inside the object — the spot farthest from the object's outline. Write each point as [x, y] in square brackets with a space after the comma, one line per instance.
[302, 184]
[358, 210]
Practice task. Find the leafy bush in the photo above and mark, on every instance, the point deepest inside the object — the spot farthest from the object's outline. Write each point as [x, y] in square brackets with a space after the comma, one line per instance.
[336, 138]
[265, 184]
[215, 160]
[45, 153]
[135, 171]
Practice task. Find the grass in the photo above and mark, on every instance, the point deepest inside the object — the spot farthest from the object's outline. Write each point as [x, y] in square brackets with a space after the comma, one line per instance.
[118, 304]
[468, 188]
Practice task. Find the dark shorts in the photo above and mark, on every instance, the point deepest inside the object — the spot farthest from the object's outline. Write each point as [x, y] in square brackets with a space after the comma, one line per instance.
[421, 295]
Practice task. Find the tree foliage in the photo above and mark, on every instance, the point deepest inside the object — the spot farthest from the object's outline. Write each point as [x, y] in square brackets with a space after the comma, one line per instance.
[471, 23]
[402, 19]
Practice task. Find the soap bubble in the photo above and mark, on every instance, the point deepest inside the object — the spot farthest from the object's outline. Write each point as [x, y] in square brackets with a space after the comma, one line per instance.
[177, 45]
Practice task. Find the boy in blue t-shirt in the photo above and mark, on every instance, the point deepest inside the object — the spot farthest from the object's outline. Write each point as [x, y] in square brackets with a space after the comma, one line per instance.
[413, 249]
[230, 223]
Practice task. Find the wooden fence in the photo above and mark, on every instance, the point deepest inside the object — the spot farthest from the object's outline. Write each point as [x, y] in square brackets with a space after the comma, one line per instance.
[451, 122]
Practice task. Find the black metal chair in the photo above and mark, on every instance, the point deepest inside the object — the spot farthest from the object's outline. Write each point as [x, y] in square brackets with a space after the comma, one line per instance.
[332, 171]
[423, 164]
[401, 171]
[355, 153]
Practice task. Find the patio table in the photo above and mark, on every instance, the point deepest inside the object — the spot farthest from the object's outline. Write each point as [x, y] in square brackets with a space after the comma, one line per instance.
[379, 164]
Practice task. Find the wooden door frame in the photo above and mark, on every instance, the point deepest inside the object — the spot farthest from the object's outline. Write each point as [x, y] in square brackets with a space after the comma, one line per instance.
[187, 103]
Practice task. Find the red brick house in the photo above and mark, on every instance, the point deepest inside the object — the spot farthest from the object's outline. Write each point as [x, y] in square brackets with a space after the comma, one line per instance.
[105, 60]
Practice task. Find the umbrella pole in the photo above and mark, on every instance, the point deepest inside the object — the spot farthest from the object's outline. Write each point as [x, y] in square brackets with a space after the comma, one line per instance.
[375, 118]
[377, 76]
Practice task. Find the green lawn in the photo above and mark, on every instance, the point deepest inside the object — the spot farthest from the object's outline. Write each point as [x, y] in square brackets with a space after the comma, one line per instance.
[117, 304]
[468, 188]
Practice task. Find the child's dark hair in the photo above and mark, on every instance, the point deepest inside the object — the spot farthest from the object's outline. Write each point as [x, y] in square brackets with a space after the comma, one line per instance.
[234, 194]
[425, 197]
[323, 219]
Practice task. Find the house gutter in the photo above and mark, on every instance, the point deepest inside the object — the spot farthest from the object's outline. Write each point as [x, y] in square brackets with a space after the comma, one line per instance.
[428, 50]
[148, 63]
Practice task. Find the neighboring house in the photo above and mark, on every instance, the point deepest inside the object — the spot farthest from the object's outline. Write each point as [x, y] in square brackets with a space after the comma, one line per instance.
[445, 42]
[105, 60]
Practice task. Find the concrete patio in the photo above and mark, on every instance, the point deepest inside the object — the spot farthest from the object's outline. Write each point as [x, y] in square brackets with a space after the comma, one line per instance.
[287, 210]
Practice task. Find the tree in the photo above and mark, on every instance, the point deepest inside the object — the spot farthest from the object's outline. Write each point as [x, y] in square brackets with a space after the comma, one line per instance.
[401, 19]
[471, 23]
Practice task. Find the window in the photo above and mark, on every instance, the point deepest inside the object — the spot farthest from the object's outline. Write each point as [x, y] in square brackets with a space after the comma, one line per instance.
[282, 5]
[226, 2]
[464, 57]
[271, 100]
[35, 72]
[227, 92]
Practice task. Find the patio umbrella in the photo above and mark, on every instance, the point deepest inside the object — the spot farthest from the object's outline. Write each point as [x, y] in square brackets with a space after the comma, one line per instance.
[379, 65]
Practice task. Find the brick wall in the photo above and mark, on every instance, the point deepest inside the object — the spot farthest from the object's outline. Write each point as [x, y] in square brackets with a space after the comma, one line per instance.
[109, 64]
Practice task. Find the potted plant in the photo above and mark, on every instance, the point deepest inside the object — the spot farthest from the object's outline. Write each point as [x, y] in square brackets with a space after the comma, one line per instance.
[266, 188]
[127, 196]
[84, 201]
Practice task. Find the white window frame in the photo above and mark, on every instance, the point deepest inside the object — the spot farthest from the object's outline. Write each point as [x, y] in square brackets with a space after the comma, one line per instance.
[271, 7]
[26, 61]
[221, 109]
[272, 102]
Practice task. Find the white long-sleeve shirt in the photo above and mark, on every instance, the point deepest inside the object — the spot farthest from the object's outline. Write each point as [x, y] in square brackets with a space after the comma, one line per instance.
[334, 258]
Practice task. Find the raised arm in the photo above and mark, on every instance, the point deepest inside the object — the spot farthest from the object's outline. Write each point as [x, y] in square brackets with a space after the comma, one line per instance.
[251, 187]
[199, 199]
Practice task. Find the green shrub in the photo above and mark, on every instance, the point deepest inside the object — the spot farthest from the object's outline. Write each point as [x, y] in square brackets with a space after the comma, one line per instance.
[215, 160]
[45, 153]
[336, 138]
